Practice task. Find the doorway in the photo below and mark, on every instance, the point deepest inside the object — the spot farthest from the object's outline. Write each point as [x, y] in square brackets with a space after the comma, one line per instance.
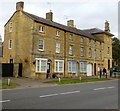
[48, 68]
[89, 69]
[94, 68]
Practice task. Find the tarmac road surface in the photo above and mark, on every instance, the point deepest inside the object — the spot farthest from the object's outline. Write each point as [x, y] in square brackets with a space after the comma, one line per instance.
[94, 95]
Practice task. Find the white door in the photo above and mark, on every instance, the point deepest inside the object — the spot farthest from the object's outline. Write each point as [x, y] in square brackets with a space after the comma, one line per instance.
[89, 69]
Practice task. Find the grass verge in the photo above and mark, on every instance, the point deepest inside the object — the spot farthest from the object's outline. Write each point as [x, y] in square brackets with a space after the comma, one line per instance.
[72, 81]
[5, 85]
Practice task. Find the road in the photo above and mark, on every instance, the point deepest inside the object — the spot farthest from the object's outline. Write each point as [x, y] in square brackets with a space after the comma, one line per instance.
[94, 95]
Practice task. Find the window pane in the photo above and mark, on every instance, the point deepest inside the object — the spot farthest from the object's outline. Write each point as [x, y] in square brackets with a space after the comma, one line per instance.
[41, 44]
[69, 66]
[43, 65]
[61, 66]
[10, 27]
[38, 65]
[57, 47]
[71, 50]
[70, 36]
[42, 29]
[56, 66]
[83, 67]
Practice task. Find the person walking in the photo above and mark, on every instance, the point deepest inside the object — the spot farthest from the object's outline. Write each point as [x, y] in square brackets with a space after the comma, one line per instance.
[100, 72]
[111, 72]
[104, 72]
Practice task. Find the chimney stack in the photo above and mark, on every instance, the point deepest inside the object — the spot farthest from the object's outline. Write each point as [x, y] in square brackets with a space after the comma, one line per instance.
[70, 23]
[19, 6]
[49, 16]
[107, 27]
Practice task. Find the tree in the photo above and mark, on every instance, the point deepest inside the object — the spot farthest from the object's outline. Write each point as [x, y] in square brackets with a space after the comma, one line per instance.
[116, 51]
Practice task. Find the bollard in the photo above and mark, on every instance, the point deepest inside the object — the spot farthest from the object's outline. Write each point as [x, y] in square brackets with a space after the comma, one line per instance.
[8, 82]
[59, 80]
[98, 77]
[80, 78]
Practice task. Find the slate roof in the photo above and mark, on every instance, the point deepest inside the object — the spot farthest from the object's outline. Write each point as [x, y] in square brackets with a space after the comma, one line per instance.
[60, 26]
[97, 31]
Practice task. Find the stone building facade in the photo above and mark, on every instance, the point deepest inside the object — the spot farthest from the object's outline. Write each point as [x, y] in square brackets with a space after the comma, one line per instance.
[45, 47]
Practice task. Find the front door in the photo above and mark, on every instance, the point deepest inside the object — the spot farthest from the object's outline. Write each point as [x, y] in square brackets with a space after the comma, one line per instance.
[48, 69]
[95, 68]
[89, 69]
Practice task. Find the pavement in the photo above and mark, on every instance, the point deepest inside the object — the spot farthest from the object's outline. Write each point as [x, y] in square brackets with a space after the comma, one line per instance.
[28, 82]
[25, 82]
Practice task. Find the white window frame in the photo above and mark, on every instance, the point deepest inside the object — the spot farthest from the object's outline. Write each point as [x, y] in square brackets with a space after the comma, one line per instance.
[39, 45]
[10, 44]
[71, 37]
[82, 51]
[57, 33]
[57, 47]
[71, 49]
[100, 54]
[10, 27]
[39, 66]
[90, 52]
[42, 29]
[57, 66]
[71, 66]
[81, 39]
[83, 67]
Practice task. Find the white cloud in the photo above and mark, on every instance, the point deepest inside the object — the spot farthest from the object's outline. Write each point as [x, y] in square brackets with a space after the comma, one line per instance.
[85, 13]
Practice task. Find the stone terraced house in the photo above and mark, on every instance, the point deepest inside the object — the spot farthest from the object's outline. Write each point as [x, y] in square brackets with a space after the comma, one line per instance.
[44, 47]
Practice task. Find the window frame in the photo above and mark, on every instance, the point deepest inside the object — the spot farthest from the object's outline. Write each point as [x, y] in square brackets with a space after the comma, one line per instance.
[82, 51]
[70, 36]
[39, 66]
[57, 33]
[81, 39]
[83, 67]
[108, 52]
[72, 66]
[10, 27]
[70, 49]
[10, 44]
[95, 56]
[41, 29]
[58, 66]
[57, 47]
[89, 52]
[39, 45]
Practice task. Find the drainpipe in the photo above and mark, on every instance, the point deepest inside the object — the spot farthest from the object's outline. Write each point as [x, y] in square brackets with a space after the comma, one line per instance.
[64, 52]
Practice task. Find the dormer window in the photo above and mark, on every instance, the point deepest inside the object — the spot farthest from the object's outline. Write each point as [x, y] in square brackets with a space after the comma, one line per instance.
[57, 33]
[10, 27]
[41, 29]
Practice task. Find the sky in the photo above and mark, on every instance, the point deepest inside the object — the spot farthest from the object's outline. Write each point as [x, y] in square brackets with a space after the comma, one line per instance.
[85, 13]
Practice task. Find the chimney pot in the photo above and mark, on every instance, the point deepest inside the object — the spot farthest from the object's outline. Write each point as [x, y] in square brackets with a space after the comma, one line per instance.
[19, 6]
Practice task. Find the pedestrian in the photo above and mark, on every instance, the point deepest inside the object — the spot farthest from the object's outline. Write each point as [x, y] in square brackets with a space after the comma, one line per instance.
[111, 72]
[104, 72]
[100, 72]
